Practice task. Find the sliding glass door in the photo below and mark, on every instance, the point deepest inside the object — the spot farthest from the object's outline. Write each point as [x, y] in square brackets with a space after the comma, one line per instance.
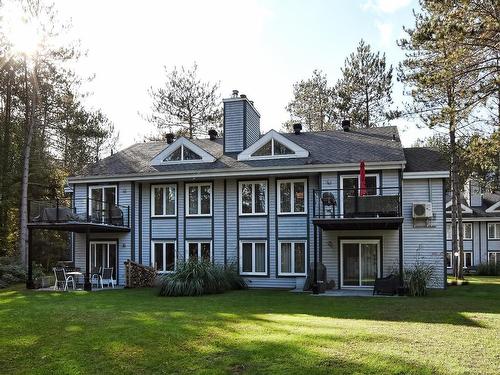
[103, 255]
[360, 262]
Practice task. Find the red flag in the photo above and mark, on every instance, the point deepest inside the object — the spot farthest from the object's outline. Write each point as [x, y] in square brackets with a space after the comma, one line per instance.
[362, 179]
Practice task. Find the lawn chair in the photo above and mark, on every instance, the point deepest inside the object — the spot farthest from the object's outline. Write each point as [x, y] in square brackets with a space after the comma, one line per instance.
[107, 277]
[62, 279]
[96, 276]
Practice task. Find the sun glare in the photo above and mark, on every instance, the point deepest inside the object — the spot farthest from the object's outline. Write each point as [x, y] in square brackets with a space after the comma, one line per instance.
[22, 33]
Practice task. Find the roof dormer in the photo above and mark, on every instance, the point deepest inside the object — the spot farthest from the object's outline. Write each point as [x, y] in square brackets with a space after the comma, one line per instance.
[271, 146]
[182, 151]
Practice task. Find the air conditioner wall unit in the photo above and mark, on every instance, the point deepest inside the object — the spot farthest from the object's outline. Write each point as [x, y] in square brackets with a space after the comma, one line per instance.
[422, 210]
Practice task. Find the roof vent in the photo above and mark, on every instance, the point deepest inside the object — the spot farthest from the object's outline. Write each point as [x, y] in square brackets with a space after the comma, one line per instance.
[393, 136]
[297, 128]
[346, 125]
[212, 133]
[235, 93]
[170, 137]
[243, 96]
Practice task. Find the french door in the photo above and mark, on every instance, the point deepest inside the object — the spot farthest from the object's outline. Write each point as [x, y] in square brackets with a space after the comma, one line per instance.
[103, 255]
[102, 198]
[359, 263]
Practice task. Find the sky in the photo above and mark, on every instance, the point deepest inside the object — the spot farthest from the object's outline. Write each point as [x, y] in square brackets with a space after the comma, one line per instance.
[255, 46]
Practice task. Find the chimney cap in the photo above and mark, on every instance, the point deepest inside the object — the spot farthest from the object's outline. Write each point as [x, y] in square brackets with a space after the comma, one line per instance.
[346, 125]
[235, 93]
[243, 96]
[297, 128]
[212, 133]
[170, 137]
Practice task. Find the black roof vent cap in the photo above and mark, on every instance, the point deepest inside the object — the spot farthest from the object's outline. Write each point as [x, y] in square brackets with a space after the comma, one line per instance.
[297, 128]
[170, 138]
[346, 125]
[243, 96]
[235, 93]
[212, 133]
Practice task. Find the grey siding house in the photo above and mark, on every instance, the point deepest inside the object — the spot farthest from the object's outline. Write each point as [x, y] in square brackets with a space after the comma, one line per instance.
[271, 203]
[481, 227]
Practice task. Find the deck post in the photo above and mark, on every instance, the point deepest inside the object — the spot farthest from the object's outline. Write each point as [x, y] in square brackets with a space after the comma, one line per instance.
[87, 285]
[315, 288]
[29, 281]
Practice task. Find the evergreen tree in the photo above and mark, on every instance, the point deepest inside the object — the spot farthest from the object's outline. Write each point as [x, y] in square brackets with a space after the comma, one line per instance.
[312, 104]
[365, 88]
[186, 104]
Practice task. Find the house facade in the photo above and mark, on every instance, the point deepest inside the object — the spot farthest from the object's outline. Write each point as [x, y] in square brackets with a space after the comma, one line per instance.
[272, 204]
[481, 227]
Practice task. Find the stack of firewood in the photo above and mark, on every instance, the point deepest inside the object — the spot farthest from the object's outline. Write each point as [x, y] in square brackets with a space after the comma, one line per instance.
[138, 275]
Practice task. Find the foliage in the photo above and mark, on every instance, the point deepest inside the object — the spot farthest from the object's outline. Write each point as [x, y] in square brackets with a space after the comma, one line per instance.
[364, 90]
[195, 278]
[488, 269]
[312, 104]
[185, 104]
[11, 271]
[417, 278]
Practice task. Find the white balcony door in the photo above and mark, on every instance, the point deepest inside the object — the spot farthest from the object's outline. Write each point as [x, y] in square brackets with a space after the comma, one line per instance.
[103, 254]
[359, 263]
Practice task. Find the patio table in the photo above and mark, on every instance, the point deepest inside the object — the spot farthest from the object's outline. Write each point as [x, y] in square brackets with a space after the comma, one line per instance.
[76, 275]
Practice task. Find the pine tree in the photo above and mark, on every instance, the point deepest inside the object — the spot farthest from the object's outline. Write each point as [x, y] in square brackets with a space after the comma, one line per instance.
[312, 103]
[365, 88]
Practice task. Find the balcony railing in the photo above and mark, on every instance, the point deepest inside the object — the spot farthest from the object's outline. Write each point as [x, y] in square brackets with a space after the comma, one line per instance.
[84, 210]
[353, 203]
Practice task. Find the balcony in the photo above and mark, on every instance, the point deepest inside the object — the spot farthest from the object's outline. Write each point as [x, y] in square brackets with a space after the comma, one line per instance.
[349, 209]
[78, 215]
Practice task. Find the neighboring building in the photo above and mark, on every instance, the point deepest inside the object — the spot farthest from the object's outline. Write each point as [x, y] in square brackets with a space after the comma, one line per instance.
[481, 223]
[270, 203]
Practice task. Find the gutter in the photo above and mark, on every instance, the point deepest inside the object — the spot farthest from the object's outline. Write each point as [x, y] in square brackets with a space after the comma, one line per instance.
[226, 172]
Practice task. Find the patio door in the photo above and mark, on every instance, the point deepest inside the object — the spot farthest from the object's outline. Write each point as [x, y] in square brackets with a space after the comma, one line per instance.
[103, 254]
[102, 198]
[359, 263]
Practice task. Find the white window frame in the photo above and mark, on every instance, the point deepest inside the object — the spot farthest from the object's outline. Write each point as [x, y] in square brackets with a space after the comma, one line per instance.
[199, 242]
[182, 142]
[198, 184]
[496, 231]
[496, 256]
[163, 187]
[100, 187]
[292, 242]
[240, 197]
[292, 196]
[449, 228]
[164, 243]
[253, 273]
[471, 259]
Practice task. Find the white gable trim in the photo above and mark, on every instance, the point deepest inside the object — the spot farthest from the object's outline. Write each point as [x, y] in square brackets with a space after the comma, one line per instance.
[160, 158]
[494, 208]
[299, 152]
[465, 209]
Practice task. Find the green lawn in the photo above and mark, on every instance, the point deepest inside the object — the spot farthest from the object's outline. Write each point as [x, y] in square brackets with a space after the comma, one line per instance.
[254, 332]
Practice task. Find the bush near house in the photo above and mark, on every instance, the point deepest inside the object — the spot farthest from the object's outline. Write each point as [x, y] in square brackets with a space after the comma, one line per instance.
[195, 278]
[488, 269]
[11, 271]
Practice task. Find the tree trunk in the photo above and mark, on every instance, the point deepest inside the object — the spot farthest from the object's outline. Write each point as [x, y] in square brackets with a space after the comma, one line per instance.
[454, 201]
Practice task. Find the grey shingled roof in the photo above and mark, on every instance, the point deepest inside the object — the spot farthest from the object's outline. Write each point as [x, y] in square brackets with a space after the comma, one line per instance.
[329, 147]
[424, 159]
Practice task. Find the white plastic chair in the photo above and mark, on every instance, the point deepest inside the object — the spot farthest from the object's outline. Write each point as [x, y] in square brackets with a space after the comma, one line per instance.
[96, 276]
[62, 279]
[107, 277]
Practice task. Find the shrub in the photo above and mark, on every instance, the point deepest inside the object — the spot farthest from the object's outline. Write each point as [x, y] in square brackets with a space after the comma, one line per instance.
[11, 271]
[417, 278]
[197, 278]
[488, 269]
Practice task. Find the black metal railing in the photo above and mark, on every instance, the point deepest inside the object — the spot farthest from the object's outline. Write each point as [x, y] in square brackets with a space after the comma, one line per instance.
[78, 210]
[355, 203]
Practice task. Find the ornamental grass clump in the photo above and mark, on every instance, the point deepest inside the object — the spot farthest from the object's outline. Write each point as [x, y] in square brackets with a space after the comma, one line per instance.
[417, 278]
[195, 278]
[488, 269]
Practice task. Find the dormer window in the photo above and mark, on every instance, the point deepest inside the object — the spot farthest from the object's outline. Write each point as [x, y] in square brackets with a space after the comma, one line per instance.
[273, 145]
[182, 151]
[181, 154]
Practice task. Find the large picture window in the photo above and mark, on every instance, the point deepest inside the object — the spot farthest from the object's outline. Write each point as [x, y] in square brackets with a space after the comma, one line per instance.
[253, 197]
[163, 256]
[199, 199]
[199, 250]
[292, 196]
[163, 200]
[253, 258]
[292, 258]
[467, 231]
[494, 231]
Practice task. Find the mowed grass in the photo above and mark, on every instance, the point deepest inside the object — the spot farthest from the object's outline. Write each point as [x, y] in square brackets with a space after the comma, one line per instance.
[254, 332]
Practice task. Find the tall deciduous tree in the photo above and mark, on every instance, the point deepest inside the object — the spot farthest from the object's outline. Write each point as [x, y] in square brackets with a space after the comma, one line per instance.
[365, 88]
[312, 103]
[185, 104]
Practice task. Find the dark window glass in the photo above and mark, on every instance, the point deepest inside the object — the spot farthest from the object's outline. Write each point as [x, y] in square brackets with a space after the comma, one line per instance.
[190, 155]
[193, 200]
[300, 257]
[265, 150]
[170, 255]
[170, 200]
[246, 257]
[286, 257]
[260, 257]
[281, 149]
[193, 251]
[260, 198]
[205, 251]
[158, 196]
[158, 265]
[285, 197]
[175, 155]
[298, 196]
[205, 199]
[371, 185]
[246, 198]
